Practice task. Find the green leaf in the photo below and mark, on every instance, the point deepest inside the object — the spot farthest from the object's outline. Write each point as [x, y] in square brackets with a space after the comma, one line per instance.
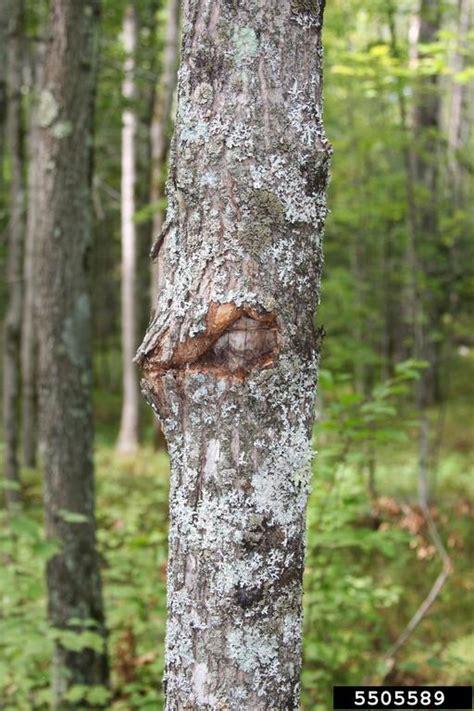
[77, 641]
[46, 549]
[76, 693]
[25, 526]
[98, 695]
[72, 516]
[6, 484]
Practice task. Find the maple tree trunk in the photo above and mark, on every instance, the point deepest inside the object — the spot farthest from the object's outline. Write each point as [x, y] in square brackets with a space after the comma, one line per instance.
[230, 357]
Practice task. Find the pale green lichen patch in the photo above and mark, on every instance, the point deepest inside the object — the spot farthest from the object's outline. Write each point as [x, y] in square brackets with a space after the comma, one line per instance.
[76, 331]
[62, 129]
[48, 108]
[251, 648]
[245, 44]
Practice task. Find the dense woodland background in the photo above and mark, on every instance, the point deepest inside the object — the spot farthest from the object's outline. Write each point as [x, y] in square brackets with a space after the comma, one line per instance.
[390, 519]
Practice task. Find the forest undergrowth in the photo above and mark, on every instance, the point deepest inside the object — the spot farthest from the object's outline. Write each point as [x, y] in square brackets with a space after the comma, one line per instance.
[370, 560]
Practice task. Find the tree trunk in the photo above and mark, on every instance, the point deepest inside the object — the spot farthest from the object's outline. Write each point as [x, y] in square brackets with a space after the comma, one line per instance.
[12, 329]
[426, 121]
[230, 357]
[421, 157]
[65, 118]
[128, 435]
[161, 129]
[3, 81]
[28, 334]
[457, 97]
[424, 166]
[427, 248]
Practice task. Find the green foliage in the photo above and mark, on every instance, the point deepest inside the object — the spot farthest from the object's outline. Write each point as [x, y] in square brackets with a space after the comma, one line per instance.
[345, 595]
[363, 577]
[90, 694]
[132, 543]
[25, 645]
[371, 87]
[132, 540]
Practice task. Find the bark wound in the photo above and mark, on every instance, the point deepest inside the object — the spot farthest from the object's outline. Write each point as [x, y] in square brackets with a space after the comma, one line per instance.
[236, 340]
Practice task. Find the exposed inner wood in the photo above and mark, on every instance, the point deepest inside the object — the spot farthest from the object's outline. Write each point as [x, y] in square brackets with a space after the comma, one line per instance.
[236, 339]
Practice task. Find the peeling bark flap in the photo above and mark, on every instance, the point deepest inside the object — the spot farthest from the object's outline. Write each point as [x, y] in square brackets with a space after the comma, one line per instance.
[236, 340]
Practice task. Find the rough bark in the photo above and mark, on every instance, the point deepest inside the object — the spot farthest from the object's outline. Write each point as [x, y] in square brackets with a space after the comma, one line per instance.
[128, 435]
[230, 357]
[65, 138]
[14, 277]
[160, 129]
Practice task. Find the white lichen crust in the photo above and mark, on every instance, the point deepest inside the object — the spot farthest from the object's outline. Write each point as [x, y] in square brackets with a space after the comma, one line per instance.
[230, 357]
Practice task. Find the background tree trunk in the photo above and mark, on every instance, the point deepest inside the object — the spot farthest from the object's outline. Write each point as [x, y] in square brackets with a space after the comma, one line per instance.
[421, 159]
[458, 90]
[65, 119]
[230, 357]
[12, 329]
[3, 81]
[161, 129]
[28, 334]
[128, 435]
[425, 166]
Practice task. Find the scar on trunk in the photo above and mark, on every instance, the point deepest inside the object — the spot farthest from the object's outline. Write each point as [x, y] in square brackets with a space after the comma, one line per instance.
[236, 340]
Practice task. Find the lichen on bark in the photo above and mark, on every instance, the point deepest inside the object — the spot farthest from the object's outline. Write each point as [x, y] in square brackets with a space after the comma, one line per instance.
[230, 356]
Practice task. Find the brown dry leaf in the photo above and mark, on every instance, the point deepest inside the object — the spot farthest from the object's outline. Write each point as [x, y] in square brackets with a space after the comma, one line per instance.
[163, 570]
[425, 552]
[125, 654]
[387, 505]
[413, 520]
[146, 658]
[455, 541]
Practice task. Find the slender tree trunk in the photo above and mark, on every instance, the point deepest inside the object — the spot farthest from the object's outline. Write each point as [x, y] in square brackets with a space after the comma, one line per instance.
[457, 129]
[128, 435]
[160, 135]
[65, 120]
[421, 156]
[12, 330]
[425, 161]
[230, 357]
[148, 60]
[3, 81]
[28, 334]
[455, 122]
[160, 130]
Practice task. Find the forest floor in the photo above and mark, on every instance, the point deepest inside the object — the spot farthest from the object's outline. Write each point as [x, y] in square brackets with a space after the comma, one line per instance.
[370, 563]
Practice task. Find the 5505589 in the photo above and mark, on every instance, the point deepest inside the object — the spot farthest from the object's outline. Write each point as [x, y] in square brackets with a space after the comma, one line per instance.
[397, 697]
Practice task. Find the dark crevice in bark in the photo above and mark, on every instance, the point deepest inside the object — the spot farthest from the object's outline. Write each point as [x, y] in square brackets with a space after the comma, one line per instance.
[236, 340]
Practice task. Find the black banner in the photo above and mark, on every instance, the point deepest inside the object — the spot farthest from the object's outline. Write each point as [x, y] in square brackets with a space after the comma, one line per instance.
[430, 698]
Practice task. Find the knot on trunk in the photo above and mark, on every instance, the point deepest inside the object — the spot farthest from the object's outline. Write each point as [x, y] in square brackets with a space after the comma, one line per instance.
[236, 339]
